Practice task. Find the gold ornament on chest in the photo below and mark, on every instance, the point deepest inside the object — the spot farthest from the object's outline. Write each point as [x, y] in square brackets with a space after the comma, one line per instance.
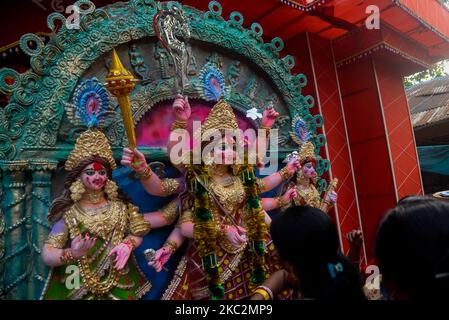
[101, 222]
[229, 192]
[308, 195]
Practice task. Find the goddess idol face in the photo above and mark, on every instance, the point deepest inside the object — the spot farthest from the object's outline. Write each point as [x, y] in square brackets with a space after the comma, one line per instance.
[94, 176]
[309, 170]
[230, 148]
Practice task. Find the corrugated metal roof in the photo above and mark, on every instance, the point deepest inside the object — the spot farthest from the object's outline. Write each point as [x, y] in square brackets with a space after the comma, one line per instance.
[429, 101]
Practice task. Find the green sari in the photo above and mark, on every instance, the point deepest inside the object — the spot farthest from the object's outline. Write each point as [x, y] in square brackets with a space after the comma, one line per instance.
[93, 276]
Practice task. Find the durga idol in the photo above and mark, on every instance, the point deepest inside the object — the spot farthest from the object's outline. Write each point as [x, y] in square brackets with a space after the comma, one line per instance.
[95, 230]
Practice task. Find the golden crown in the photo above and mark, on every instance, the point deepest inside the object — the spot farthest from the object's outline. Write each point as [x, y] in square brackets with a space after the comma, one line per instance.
[307, 152]
[221, 116]
[90, 143]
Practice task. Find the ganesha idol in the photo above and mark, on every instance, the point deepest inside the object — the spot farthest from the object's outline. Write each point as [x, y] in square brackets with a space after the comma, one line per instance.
[305, 179]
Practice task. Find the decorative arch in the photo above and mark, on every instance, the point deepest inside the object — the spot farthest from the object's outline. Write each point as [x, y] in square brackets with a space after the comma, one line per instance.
[35, 112]
[36, 134]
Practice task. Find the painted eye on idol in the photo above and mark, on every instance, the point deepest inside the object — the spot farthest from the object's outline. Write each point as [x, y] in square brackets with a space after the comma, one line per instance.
[89, 172]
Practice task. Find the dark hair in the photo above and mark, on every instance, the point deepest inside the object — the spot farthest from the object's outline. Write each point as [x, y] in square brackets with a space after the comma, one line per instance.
[414, 198]
[412, 247]
[307, 239]
[64, 201]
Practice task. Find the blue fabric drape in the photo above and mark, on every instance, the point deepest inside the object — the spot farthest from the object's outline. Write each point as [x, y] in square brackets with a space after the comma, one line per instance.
[434, 159]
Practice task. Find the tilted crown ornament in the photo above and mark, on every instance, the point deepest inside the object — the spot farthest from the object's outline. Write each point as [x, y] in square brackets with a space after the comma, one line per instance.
[90, 143]
[307, 152]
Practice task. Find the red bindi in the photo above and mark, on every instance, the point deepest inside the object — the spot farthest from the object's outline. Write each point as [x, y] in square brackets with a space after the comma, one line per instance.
[97, 166]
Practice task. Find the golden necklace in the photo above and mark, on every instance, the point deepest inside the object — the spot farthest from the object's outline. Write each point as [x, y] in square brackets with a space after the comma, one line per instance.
[230, 195]
[94, 196]
[89, 276]
[99, 224]
[308, 194]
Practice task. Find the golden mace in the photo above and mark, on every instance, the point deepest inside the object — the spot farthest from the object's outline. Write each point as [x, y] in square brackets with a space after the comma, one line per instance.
[120, 82]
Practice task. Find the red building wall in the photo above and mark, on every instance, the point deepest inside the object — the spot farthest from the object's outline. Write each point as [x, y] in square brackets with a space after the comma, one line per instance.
[401, 139]
[370, 141]
[329, 103]
[367, 138]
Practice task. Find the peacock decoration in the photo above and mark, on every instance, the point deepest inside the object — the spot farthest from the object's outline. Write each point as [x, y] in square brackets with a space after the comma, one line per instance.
[91, 106]
[300, 132]
[212, 82]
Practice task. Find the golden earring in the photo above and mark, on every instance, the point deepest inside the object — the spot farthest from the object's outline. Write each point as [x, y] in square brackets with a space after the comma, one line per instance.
[111, 190]
[77, 190]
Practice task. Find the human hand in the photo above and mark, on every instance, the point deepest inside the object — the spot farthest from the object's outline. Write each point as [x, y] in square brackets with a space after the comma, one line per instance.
[293, 165]
[134, 159]
[122, 252]
[355, 238]
[181, 108]
[332, 197]
[236, 235]
[80, 246]
[160, 258]
[269, 117]
[289, 195]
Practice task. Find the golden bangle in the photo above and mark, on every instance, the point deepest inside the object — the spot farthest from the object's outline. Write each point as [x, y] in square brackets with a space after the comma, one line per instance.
[285, 173]
[280, 202]
[170, 212]
[221, 231]
[145, 174]
[67, 256]
[178, 124]
[263, 292]
[172, 245]
[186, 216]
[130, 242]
[260, 183]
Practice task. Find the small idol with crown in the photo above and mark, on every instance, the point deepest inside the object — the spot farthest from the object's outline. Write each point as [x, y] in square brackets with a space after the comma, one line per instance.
[305, 181]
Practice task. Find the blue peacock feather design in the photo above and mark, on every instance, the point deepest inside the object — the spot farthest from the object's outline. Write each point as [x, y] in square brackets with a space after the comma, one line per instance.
[301, 133]
[212, 82]
[91, 104]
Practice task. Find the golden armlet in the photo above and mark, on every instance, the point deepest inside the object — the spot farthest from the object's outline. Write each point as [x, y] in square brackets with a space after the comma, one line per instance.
[57, 240]
[285, 173]
[169, 186]
[170, 212]
[137, 224]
